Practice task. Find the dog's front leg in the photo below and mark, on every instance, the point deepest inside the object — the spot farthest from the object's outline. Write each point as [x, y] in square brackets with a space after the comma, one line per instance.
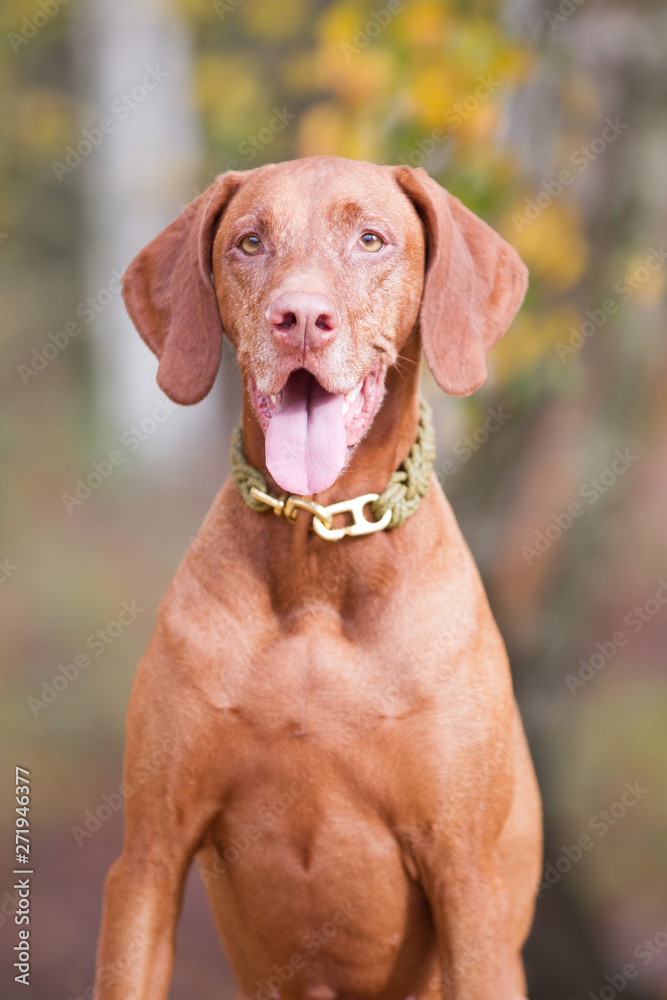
[170, 803]
[478, 949]
[478, 863]
[142, 901]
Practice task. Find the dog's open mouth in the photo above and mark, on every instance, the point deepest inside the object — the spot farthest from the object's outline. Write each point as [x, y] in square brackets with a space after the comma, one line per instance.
[308, 430]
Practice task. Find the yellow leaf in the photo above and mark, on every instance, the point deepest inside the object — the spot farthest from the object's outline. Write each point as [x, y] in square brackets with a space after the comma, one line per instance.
[423, 24]
[339, 23]
[327, 128]
[227, 88]
[550, 240]
[322, 130]
[481, 124]
[366, 78]
[531, 339]
[433, 93]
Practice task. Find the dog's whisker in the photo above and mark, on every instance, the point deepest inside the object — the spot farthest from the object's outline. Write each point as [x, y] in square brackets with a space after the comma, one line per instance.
[401, 374]
[410, 360]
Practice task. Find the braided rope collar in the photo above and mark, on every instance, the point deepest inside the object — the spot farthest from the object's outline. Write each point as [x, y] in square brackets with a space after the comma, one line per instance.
[391, 508]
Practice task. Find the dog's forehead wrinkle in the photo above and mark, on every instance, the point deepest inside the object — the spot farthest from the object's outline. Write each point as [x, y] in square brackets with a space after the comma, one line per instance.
[319, 190]
[262, 217]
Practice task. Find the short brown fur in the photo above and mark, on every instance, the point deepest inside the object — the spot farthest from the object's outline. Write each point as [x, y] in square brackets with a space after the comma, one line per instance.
[329, 727]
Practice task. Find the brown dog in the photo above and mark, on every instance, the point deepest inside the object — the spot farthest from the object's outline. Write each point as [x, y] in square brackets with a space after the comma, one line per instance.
[328, 725]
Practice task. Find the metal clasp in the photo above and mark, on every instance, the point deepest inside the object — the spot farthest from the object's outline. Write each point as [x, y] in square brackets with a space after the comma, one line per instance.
[278, 505]
[292, 505]
[323, 516]
[360, 525]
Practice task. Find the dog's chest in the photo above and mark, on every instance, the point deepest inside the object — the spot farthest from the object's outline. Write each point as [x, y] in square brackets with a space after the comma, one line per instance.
[318, 684]
[319, 680]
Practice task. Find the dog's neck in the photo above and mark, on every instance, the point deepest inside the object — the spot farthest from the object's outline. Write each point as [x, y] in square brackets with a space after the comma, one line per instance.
[388, 442]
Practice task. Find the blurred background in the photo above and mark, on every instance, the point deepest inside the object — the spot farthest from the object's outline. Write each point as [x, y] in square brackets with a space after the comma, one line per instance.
[546, 117]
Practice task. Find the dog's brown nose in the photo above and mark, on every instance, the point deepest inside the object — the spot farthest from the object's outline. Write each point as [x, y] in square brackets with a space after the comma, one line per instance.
[303, 319]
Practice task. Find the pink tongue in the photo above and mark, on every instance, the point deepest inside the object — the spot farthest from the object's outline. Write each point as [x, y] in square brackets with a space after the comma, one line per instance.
[305, 440]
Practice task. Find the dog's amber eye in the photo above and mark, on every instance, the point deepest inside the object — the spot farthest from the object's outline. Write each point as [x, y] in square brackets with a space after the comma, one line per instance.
[250, 244]
[371, 242]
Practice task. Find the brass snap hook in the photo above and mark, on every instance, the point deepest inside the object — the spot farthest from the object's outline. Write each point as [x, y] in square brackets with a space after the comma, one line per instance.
[320, 515]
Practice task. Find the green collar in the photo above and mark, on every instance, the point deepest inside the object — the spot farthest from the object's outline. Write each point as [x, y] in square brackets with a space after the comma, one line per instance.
[407, 485]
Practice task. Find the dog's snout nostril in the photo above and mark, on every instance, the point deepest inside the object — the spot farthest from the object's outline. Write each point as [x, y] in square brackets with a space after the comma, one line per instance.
[303, 320]
[287, 322]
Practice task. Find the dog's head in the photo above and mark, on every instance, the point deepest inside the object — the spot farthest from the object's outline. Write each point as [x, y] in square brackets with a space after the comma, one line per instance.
[318, 270]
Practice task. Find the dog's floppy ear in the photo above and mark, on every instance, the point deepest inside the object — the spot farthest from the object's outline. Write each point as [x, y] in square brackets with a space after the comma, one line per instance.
[170, 297]
[474, 285]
